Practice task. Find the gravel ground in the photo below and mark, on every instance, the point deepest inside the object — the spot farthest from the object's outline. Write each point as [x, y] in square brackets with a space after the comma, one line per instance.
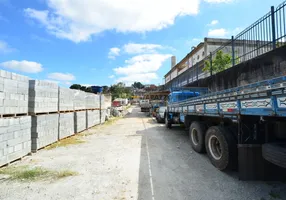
[135, 158]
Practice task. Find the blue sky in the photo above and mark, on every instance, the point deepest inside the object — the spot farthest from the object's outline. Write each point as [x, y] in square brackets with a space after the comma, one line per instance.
[96, 42]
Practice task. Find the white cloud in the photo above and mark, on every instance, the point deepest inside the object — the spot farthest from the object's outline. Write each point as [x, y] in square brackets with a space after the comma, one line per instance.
[213, 23]
[217, 32]
[218, 1]
[61, 76]
[113, 52]
[133, 48]
[111, 76]
[143, 78]
[78, 21]
[141, 68]
[223, 33]
[23, 66]
[142, 64]
[53, 81]
[5, 48]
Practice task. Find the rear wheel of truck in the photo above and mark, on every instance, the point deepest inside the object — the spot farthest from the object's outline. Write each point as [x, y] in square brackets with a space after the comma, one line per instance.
[221, 147]
[197, 133]
[167, 123]
[275, 153]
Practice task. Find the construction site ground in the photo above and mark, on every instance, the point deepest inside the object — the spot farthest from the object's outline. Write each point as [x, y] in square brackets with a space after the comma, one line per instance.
[134, 158]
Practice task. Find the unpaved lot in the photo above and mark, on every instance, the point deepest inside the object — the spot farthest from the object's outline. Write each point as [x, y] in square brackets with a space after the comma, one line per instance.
[135, 158]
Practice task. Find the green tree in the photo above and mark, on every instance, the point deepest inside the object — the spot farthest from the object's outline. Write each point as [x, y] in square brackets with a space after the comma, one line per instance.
[138, 85]
[105, 89]
[75, 86]
[220, 62]
[120, 91]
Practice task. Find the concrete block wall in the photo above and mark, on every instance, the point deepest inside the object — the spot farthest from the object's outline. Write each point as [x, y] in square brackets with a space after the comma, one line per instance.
[15, 138]
[66, 125]
[92, 101]
[93, 118]
[79, 100]
[66, 99]
[13, 93]
[103, 115]
[43, 96]
[80, 121]
[45, 130]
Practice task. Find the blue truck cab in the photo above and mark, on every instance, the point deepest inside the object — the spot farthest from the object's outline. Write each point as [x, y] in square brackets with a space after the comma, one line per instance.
[178, 95]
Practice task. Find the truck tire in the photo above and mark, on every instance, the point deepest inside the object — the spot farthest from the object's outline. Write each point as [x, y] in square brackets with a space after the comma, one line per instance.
[197, 133]
[275, 153]
[221, 148]
[167, 123]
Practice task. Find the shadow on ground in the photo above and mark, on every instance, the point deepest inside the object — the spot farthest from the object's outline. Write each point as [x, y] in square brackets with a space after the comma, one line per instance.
[170, 169]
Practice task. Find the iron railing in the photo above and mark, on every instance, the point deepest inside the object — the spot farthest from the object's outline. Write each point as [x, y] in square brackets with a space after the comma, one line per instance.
[264, 35]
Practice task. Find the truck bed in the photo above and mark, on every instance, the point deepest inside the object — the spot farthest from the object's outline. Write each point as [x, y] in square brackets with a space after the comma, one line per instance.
[265, 98]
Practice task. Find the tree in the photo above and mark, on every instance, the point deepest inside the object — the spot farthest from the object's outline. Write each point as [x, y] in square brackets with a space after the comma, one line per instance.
[75, 86]
[138, 85]
[221, 61]
[105, 89]
[120, 91]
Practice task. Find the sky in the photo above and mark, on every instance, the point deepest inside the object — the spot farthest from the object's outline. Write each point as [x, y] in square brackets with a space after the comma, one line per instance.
[102, 42]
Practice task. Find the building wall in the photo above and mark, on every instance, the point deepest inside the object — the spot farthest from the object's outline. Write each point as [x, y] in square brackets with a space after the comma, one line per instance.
[174, 74]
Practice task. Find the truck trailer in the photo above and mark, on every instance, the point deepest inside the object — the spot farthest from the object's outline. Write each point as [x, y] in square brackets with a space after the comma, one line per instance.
[241, 128]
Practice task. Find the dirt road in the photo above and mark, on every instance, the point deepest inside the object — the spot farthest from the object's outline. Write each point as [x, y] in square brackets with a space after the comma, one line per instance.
[135, 158]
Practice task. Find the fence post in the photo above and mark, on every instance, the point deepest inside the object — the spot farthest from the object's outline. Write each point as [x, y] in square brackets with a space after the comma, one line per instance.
[211, 63]
[232, 51]
[273, 27]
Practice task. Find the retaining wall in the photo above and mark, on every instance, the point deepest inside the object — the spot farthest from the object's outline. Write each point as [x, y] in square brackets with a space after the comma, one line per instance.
[66, 125]
[15, 138]
[43, 96]
[80, 121]
[45, 130]
[66, 99]
[13, 93]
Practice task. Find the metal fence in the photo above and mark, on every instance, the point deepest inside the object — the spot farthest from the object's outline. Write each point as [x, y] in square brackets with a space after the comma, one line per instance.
[266, 34]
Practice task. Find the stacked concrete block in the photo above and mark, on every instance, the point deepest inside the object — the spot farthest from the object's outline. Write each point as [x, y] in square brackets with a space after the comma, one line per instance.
[92, 101]
[66, 99]
[107, 101]
[43, 96]
[79, 100]
[66, 125]
[103, 115]
[93, 118]
[15, 138]
[13, 93]
[45, 130]
[80, 121]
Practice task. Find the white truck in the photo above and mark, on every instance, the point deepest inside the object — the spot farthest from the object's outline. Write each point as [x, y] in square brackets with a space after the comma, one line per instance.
[145, 105]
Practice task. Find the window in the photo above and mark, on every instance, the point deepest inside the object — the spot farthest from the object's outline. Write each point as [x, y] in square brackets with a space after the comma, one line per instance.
[203, 54]
[198, 57]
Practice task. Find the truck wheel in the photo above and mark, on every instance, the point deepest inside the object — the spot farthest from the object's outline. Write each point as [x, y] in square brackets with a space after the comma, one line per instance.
[275, 153]
[197, 133]
[221, 147]
[167, 123]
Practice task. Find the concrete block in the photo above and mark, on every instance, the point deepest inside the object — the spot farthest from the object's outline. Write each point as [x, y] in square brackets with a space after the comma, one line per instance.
[103, 115]
[92, 101]
[43, 96]
[80, 121]
[66, 125]
[93, 118]
[79, 100]
[16, 141]
[66, 99]
[45, 130]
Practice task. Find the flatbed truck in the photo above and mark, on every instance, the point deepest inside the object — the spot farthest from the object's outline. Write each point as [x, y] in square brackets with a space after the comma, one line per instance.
[235, 127]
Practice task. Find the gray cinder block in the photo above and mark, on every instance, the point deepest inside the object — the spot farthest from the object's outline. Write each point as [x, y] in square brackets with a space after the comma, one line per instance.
[66, 99]
[45, 130]
[66, 125]
[15, 138]
[43, 96]
[80, 121]
[79, 100]
[93, 118]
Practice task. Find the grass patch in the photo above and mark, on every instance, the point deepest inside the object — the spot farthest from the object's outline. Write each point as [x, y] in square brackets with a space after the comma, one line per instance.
[112, 120]
[65, 142]
[66, 173]
[274, 195]
[26, 173]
